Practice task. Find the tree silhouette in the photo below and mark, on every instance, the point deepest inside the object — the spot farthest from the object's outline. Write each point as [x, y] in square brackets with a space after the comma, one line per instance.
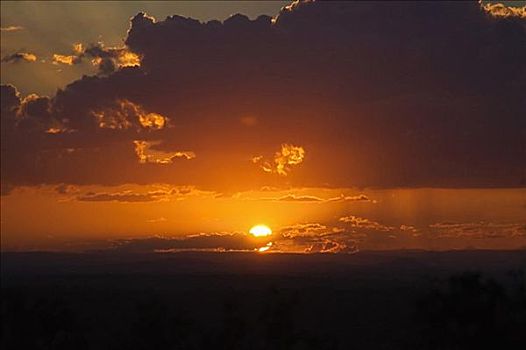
[473, 313]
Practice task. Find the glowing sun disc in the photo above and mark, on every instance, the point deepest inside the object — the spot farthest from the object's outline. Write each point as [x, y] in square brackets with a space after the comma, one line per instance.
[260, 231]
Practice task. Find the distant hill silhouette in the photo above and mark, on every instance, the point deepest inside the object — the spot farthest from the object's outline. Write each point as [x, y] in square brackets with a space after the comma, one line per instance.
[372, 300]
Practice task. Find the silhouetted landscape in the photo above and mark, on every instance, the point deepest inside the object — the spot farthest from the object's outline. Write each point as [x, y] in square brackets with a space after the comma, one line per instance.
[368, 300]
[263, 175]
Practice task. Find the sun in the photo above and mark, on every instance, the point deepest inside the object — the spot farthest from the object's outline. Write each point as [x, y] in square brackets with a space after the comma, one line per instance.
[260, 231]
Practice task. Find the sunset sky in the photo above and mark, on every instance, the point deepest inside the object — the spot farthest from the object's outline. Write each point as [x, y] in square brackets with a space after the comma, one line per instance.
[342, 126]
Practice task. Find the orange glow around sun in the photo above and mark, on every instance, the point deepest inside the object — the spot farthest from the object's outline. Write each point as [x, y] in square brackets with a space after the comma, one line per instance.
[260, 231]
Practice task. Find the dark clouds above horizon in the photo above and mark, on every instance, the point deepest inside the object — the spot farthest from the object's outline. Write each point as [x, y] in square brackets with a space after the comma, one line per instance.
[337, 93]
[51, 27]
[351, 235]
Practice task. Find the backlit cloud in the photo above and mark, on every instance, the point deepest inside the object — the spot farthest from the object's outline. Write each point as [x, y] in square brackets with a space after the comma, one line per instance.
[107, 59]
[122, 114]
[284, 159]
[307, 198]
[130, 193]
[146, 155]
[19, 57]
[356, 198]
[295, 198]
[502, 10]
[308, 229]
[126, 196]
[364, 223]
[11, 29]
[66, 59]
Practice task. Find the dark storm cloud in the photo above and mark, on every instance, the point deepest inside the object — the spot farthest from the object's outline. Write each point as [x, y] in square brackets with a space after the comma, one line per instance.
[378, 94]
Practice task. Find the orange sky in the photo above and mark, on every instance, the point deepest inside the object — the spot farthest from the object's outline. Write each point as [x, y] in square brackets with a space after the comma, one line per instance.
[91, 216]
[343, 126]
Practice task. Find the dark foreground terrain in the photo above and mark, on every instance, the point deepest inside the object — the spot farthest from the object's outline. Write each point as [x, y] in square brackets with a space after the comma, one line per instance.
[369, 300]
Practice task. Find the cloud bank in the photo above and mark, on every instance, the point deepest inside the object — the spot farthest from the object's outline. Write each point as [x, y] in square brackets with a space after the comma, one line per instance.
[360, 93]
[348, 236]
